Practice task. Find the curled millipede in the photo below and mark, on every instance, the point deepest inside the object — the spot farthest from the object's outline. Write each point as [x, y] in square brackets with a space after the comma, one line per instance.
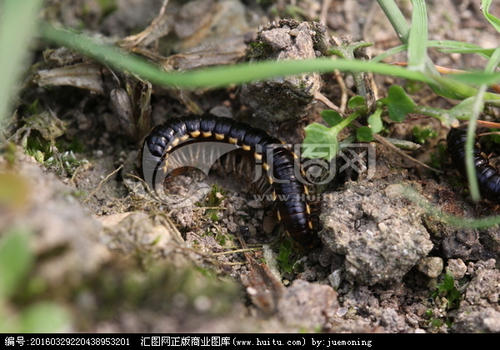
[278, 163]
[488, 176]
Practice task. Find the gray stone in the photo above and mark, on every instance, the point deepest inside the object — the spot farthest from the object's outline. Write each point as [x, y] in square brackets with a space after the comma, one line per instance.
[380, 234]
[290, 97]
[307, 304]
[431, 266]
[456, 268]
[477, 320]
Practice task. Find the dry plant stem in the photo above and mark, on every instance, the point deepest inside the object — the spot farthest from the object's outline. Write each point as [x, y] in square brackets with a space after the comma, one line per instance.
[487, 124]
[137, 39]
[383, 141]
[326, 101]
[208, 257]
[236, 251]
[325, 5]
[103, 181]
[489, 133]
[373, 86]
[173, 228]
[77, 171]
[344, 91]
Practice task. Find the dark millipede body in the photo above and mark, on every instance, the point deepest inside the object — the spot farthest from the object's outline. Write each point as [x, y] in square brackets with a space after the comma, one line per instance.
[290, 194]
[488, 177]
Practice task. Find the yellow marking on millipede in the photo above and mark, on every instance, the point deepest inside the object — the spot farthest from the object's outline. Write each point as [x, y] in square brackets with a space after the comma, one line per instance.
[295, 155]
[195, 133]
[219, 137]
[308, 209]
[278, 215]
[274, 196]
[265, 166]
[206, 133]
[306, 191]
[246, 147]
[184, 137]
[257, 156]
[175, 142]
[310, 224]
[270, 180]
[168, 149]
[233, 141]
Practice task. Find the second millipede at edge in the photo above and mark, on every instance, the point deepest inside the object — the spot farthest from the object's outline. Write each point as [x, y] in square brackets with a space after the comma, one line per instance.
[487, 176]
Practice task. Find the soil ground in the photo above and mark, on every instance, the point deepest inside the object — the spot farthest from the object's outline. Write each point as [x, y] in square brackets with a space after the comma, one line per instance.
[117, 259]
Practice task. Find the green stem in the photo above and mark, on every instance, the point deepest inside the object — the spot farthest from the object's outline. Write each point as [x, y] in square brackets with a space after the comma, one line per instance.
[437, 113]
[348, 120]
[396, 18]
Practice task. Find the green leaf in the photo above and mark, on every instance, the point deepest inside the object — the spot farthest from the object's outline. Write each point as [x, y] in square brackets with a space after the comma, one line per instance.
[495, 21]
[477, 78]
[364, 134]
[331, 117]
[356, 102]
[44, 317]
[375, 121]
[447, 289]
[463, 110]
[398, 103]
[320, 142]
[15, 260]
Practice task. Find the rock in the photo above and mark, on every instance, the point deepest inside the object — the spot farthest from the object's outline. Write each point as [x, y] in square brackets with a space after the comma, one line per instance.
[456, 268]
[335, 278]
[480, 310]
[285, 98]
[63, 231]
[138, 232]
[431, 266]
[392, 321]
[463, 244]
[380, 234]
[484, 288]
[307, 304]
[478, 320]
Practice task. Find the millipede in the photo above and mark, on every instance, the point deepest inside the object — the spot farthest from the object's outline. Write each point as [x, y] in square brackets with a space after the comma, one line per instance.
[488, 176]
[277, 161]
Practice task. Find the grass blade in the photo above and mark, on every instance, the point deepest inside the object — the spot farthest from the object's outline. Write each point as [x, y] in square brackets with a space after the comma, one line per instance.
[396, 18]
[216, 76]
[17, 26]
[446, 46]
[495, 21]
[417, 42]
